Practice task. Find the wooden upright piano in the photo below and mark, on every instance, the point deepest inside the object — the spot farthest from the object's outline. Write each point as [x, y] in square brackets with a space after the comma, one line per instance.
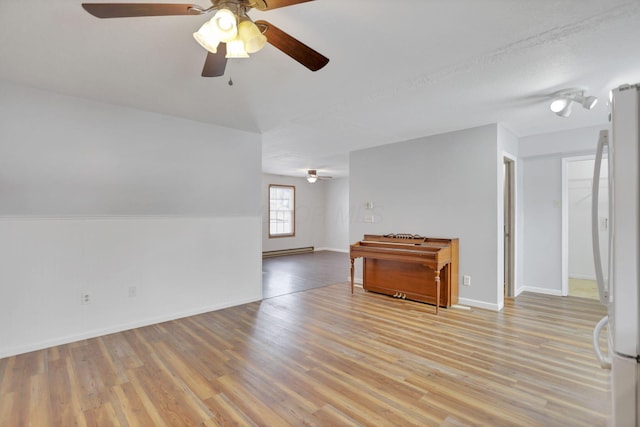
[409, 266]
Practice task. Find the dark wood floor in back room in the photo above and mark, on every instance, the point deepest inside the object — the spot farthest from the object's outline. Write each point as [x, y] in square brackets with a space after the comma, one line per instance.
[294, 273]
[325, 357]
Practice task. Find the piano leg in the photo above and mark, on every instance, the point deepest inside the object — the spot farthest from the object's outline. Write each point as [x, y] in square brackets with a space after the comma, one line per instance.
[352, 260]
[437, 289]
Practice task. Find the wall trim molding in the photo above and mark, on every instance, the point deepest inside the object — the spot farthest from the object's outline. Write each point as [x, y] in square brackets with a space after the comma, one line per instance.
[344, 251]
[479, 304]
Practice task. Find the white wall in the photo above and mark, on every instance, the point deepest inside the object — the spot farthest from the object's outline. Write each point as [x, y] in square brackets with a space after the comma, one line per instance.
[566, 143]
[542, 188]
[336, 223]
[579, 198]
[98, 198]
[541, 160]
[310, 214]
[438, 186]
[179, 267]
[322, 214]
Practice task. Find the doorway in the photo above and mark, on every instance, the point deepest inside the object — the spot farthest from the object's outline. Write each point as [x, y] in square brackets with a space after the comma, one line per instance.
[578, 271]
[509, 194]
[287, 274]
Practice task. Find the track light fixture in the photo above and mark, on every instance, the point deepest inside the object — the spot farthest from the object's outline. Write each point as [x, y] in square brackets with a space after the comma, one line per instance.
[561, 105]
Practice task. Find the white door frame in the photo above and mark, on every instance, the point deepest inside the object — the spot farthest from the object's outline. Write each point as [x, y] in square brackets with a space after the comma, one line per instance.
[511, 290]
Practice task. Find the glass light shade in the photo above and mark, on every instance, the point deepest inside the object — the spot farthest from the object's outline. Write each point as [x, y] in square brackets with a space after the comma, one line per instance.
[251, 36]
[207, 37]
[225, 24]
[312, 179]
[235, 49]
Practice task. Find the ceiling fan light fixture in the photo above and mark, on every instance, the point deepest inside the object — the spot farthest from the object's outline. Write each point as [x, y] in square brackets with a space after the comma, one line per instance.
[251, 36]
[225, 24]
[235, 49]
[312, 176]
[222, 27]
[207, 38]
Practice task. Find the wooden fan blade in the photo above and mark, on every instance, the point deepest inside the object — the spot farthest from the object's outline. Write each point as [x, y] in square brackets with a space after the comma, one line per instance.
[215, 63]
[293, 47]
[125, 10]
[274, 4]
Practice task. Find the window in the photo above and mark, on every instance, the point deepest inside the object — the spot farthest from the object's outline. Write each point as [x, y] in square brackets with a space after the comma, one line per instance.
[282, 210]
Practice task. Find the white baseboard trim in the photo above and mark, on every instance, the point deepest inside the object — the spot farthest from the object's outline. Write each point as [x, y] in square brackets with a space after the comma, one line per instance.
[344, 251]
[545, 291]
[119, 328]
[479, 304]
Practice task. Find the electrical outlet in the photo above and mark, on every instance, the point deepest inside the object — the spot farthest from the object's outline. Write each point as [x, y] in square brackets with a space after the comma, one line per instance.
[466, 280]
[85, 298]
[132, 291]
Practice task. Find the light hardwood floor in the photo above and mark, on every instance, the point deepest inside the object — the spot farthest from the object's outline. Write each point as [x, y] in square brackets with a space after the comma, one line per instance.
[294, 273]
[324, 357]
[583, 288]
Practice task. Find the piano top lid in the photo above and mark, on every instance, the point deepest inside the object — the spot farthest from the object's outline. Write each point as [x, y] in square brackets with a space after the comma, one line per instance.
[405, 239]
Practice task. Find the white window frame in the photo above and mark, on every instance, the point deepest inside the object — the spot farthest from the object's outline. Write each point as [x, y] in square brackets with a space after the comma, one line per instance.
[282, 210]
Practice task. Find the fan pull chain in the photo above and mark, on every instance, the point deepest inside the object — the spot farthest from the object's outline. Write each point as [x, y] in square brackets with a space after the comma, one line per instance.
[230, 66]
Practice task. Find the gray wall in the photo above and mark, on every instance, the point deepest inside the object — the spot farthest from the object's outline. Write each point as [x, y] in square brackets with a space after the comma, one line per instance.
[96, 198]
[438, 186]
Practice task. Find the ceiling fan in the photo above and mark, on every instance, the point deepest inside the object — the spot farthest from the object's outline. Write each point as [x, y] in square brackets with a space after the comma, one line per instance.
[229, 34]
[312, 176]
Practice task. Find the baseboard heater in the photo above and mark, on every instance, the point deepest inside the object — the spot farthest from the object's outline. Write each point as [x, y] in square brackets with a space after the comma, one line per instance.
[281, 252]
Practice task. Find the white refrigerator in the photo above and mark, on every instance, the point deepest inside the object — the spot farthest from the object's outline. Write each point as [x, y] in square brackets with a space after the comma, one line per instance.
[617, 271]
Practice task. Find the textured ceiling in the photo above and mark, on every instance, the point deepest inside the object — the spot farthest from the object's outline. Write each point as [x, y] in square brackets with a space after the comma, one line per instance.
[398, 70]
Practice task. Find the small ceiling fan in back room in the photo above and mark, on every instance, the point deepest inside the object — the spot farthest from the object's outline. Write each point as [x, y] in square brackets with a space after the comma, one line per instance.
[312, 176]
[229, 34]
